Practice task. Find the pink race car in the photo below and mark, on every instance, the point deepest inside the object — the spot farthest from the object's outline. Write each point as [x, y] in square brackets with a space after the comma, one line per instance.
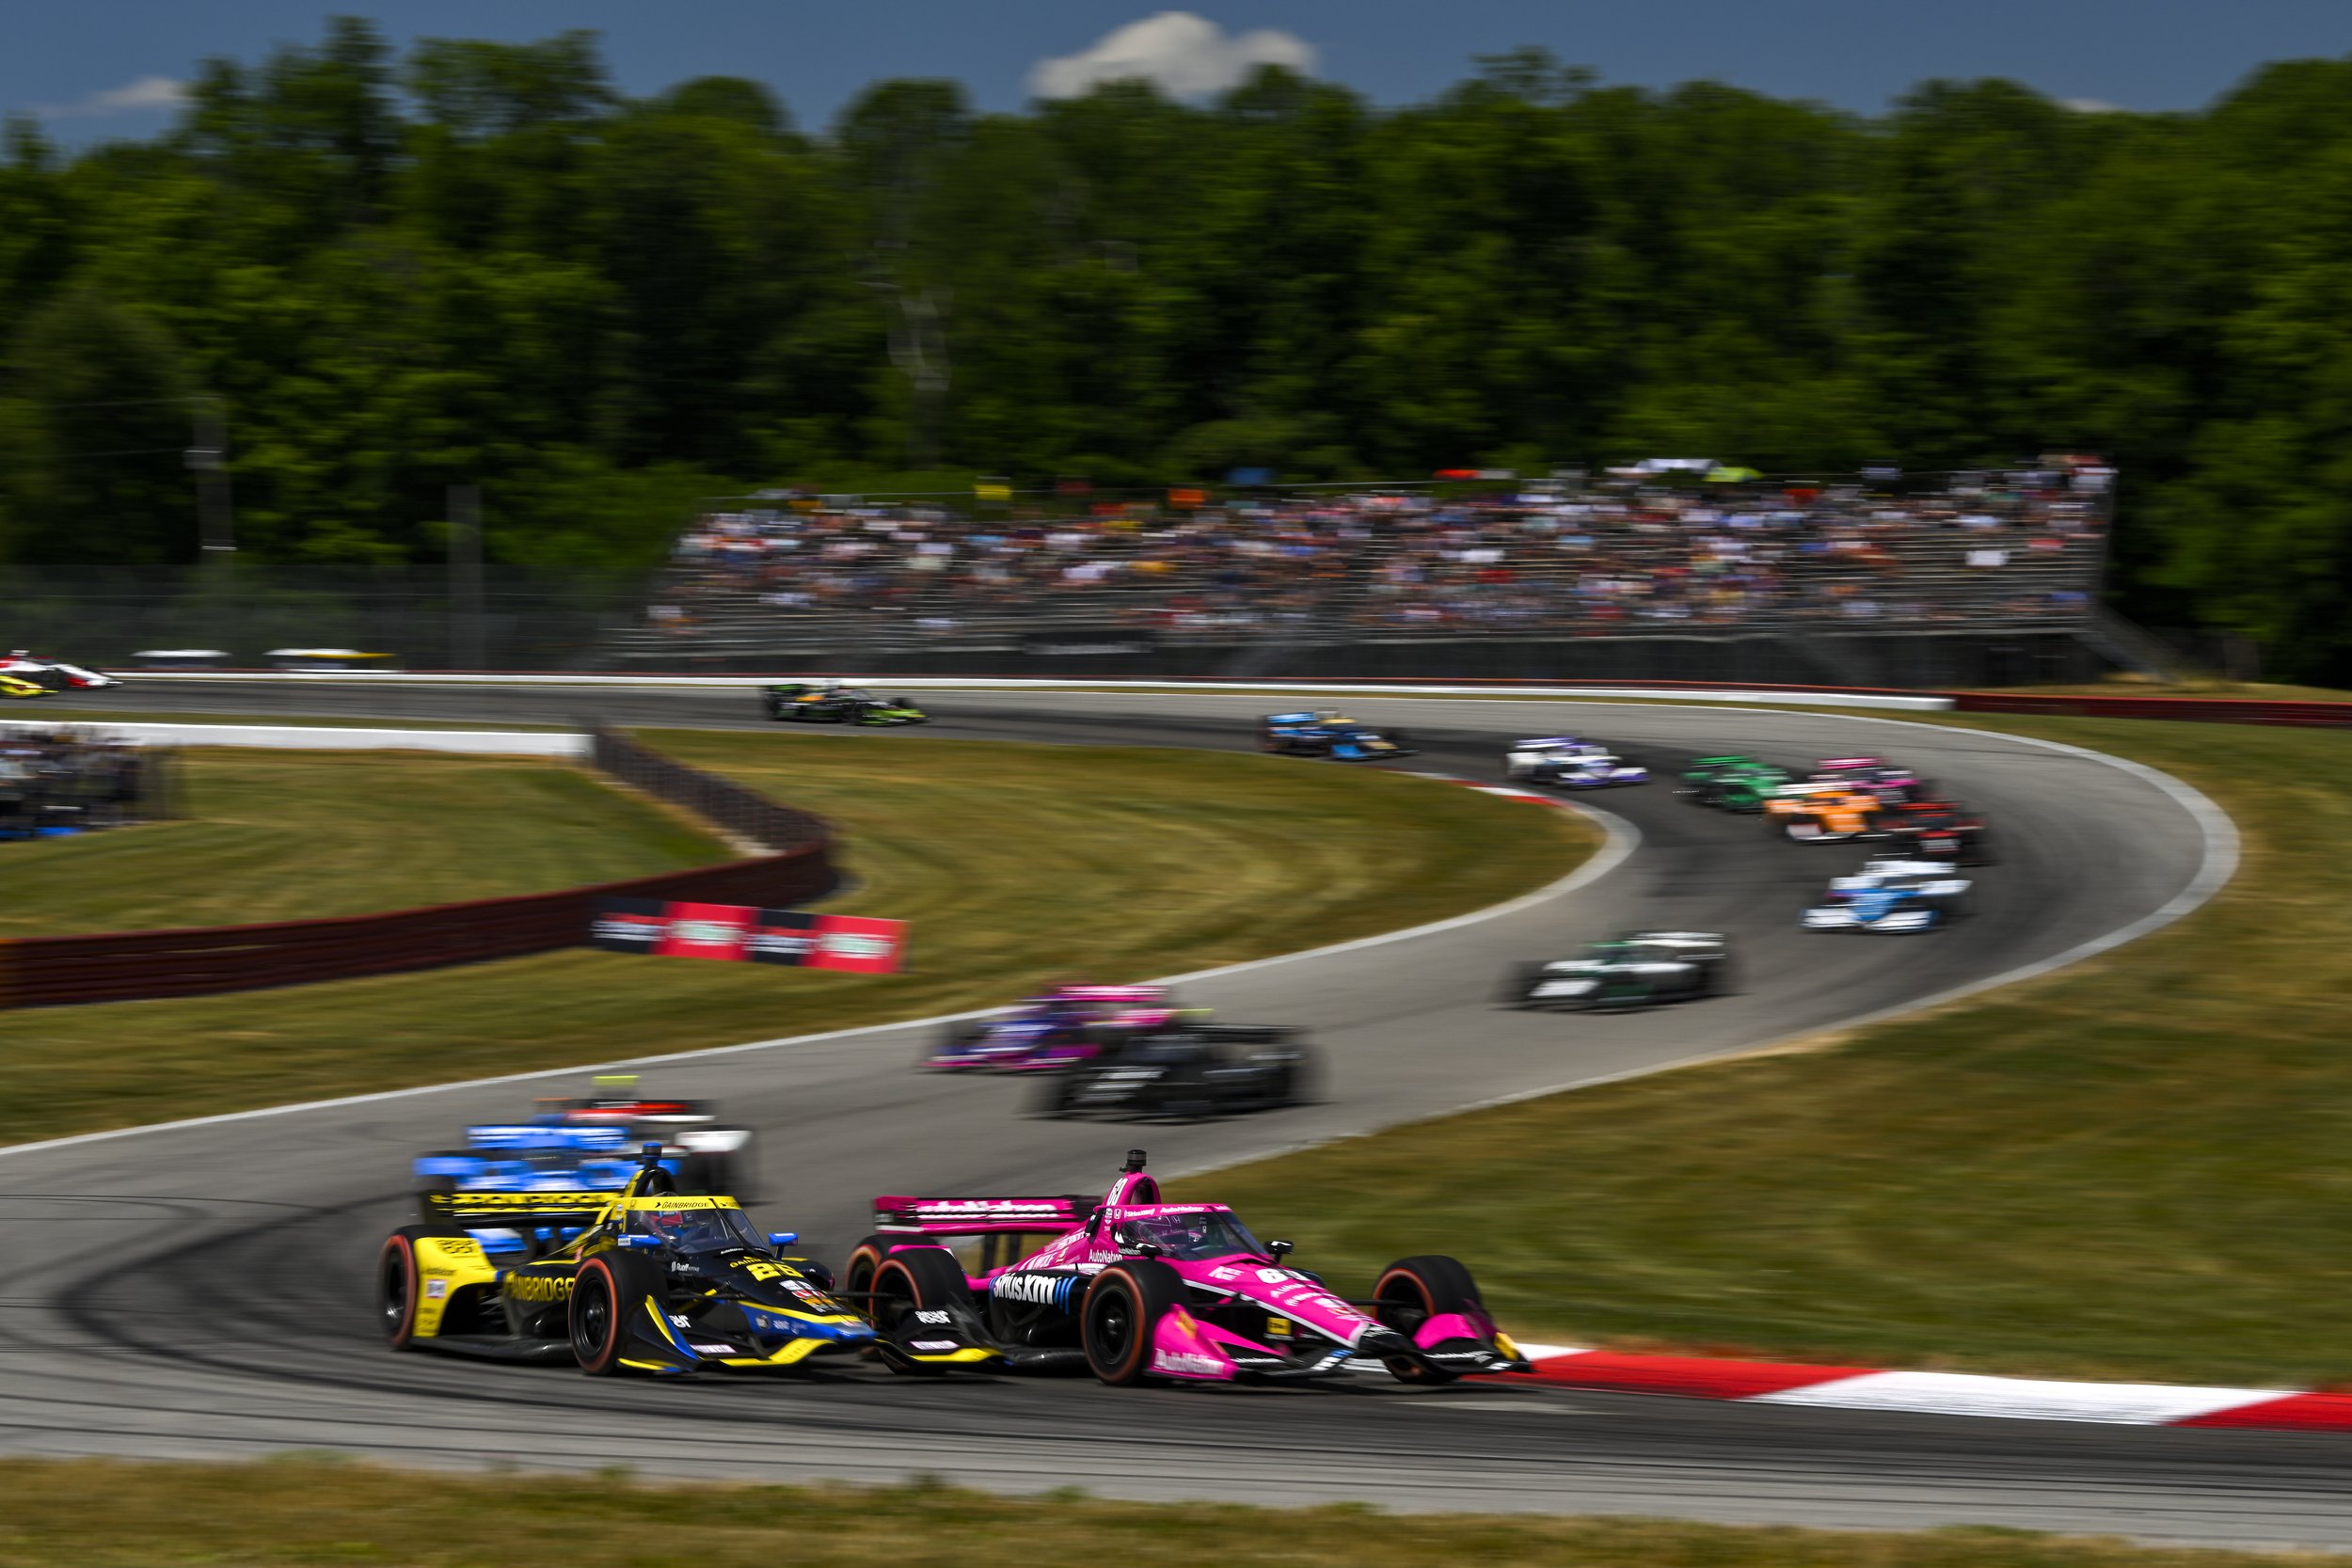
[1891, 783]
[1064, 1026]
[1132, 1288]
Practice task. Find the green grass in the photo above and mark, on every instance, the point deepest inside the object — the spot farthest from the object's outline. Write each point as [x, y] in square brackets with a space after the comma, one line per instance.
[2137, 1168]
[294, 835]
[1015, 864]
[2132, 686]
[300, 1511]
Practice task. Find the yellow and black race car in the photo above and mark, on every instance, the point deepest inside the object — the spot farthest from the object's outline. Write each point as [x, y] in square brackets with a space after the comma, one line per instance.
[16, 688]
[643, 1280]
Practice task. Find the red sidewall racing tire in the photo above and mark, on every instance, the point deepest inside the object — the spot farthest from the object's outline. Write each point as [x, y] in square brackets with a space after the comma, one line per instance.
[912, 1280]
[1122, 1308]
[396, 1288]
[1412, 1291]
[605, 1291]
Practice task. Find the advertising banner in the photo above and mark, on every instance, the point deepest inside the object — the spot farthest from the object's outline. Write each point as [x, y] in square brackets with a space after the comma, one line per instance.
[856, 944]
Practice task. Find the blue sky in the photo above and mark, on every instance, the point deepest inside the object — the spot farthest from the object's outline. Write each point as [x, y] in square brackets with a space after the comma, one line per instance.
[104, 68]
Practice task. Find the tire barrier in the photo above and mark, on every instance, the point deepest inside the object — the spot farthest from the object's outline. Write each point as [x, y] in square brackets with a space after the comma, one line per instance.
[797, 866]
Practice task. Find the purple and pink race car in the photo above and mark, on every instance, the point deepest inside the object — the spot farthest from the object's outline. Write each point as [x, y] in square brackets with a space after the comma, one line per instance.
[1131, 1288]
[1066, 1025]
[1892, 783]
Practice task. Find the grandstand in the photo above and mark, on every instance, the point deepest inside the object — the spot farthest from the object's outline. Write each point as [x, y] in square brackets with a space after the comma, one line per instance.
[1741, 576]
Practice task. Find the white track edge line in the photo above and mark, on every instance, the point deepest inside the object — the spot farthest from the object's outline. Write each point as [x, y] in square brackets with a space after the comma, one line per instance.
[2219, 863]
[1621, 839]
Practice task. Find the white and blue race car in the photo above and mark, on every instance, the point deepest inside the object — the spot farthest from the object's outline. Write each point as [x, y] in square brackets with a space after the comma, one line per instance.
[1892, 896]
[1569, 762]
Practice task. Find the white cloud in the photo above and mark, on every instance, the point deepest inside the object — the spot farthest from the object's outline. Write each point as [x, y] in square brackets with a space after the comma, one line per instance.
[1185, 55]
[139, 97]
[2090, 106]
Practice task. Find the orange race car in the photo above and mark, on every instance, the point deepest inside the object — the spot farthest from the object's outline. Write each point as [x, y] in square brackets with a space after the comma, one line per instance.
[1822, 811]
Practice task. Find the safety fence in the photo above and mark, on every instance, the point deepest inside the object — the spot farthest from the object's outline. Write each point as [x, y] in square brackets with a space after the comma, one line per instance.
[2202, 710]
[742, 812]
[797, 866]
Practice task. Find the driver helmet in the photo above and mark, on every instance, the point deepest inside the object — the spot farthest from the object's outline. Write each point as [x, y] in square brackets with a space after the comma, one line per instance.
[1185, 1231]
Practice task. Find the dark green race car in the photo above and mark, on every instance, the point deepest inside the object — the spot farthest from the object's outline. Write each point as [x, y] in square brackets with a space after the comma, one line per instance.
[1732, 782]
[807, 703]
[1639, 969]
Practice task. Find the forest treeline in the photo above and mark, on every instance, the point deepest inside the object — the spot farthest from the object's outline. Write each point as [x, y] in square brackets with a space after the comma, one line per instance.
[480, 263]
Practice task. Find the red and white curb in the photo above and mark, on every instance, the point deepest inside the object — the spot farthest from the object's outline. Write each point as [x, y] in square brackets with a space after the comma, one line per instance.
[1939, 1393]
[1508, 792]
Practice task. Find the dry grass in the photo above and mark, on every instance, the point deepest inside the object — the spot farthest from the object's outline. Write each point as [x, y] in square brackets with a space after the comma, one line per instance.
[310, 1510]
[296, 836]
[1016, 864]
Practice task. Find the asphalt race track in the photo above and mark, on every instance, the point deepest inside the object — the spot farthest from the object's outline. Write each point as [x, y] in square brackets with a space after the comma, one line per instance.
[203, 1291]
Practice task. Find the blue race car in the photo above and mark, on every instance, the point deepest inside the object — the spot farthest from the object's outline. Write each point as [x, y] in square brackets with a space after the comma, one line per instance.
[1898, 896]
[590, 1145]
[1325, 734]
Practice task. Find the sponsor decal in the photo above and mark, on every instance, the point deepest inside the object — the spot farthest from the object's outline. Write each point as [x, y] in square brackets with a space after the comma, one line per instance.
[681, 1320]
[930, 1317]
[435, 1288]
[1185, 1361]
[714, 1349]
[735, 932]
[1037, 1290]
[935, 1344]
[625, 930]
[539, 1286]
[551, 1201]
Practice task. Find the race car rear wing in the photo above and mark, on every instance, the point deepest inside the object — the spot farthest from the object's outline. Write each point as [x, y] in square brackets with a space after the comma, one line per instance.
[979, 1216]
[514, 1211]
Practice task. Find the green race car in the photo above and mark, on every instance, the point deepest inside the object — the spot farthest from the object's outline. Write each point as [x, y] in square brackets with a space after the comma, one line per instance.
[826, 702]
[1732, 782]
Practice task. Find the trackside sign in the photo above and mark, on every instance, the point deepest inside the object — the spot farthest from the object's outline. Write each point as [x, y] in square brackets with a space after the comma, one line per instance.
[736, 933]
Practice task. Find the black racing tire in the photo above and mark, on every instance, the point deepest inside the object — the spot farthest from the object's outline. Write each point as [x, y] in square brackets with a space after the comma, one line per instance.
[1121, 1307]
[1055, 1091]
[1723, 980]
[955, 1036]
[606, 1291]
[1411, 1292]
[396, 1294]
[1185, 1095]
[1519, 985]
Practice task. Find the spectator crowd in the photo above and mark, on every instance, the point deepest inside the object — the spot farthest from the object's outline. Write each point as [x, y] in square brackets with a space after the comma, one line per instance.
[63, 781]
[1654, 546]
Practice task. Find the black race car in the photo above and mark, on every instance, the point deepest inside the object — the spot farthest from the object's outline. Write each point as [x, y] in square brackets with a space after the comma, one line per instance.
[828, 703]
[1634, 970]
[1185, 1069]
[1936, 831]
